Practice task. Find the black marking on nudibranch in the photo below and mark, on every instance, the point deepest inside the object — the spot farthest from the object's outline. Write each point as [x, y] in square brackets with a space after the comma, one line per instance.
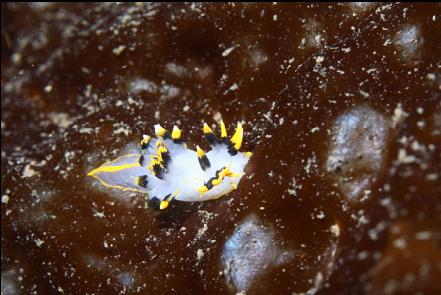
[203, 159]
[154, 203]
[209, 184]
[158, 170]
[231, 150]
[204, 162]
[142, 181]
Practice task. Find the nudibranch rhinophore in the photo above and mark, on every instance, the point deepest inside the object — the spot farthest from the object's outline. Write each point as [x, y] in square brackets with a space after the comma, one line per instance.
[167, 170]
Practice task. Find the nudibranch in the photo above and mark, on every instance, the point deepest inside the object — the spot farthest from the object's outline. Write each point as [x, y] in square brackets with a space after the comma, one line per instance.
[165, 169]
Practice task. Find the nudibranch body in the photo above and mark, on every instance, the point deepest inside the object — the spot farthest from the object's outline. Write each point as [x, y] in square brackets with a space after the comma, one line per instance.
[167, 170]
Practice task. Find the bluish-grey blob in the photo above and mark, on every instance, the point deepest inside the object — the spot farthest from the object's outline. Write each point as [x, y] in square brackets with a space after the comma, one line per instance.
[408, 42]
[357, 150]
[250, 252]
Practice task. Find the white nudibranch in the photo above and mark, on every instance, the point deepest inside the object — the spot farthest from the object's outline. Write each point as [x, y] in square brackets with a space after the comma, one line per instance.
[167, 170]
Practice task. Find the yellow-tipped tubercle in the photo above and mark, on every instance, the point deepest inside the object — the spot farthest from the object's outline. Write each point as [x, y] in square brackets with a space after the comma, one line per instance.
[176, 133]
[145, 139]
[223, 129]
[237, 138]
[200, 152]
[160, 131]
[163, 205]
[207, 129]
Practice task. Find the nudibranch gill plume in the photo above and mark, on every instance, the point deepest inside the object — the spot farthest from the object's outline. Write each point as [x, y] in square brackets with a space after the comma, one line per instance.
[165, 169]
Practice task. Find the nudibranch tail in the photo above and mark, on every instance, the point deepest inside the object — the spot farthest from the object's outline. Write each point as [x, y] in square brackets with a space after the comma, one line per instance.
[129, 165]
[165, 169]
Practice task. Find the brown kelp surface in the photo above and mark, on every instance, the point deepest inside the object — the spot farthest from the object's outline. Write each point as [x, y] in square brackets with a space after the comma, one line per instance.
[341, 105]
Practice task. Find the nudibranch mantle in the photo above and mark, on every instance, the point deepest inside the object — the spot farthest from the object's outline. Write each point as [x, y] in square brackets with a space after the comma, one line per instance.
[167, 170]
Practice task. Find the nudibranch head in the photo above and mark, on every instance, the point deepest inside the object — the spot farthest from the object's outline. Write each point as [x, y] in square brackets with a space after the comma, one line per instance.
[167, 170]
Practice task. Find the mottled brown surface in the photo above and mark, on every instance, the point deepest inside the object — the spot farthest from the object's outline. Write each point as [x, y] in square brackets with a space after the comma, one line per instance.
[341, 105]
